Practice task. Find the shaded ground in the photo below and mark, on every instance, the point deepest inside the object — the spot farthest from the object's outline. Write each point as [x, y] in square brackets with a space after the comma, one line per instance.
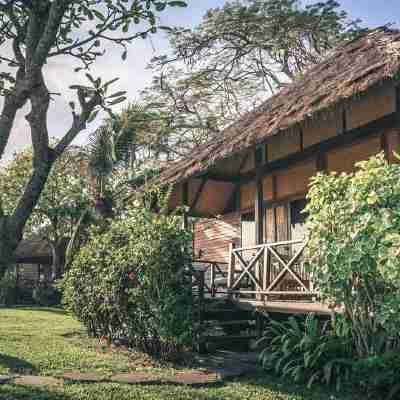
[48, 342]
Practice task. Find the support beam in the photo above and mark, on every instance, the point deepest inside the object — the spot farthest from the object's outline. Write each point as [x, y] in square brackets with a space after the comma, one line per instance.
[259, 218]
[236, 189]
[185, 204]
[321, 162]
[197, 196]
[259, 212]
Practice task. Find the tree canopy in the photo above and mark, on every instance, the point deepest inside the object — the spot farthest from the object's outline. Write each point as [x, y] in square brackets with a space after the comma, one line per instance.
[33, 32]
[66, 195]
[239, 55]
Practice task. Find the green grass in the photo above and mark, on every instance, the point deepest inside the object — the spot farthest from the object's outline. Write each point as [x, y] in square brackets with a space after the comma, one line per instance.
[50, 342]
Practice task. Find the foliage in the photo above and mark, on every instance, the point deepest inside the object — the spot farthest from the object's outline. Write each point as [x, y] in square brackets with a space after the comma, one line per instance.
[46, 294]
[33, 33]
[120, 151]
[379, 376]
[354, 225]
[49, 342]
[61, 203]
[234, 59]
[132, 281]
[8, 289]
[307, 351]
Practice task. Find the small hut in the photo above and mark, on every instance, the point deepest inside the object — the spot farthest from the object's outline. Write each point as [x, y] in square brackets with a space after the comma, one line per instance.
[34, 262]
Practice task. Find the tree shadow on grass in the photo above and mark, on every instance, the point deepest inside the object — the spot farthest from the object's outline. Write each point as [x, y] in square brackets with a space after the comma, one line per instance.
[17, 392]
[53, 310]
[17, 365]
[263, 380]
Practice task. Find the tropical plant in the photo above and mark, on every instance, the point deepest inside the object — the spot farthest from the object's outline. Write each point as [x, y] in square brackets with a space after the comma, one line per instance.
[132, 281]
[379, 376]
[308, 351]
[353, 251]
[119, 154]
[32, 34]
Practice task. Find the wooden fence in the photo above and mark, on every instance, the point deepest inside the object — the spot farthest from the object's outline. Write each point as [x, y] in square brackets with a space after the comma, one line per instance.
[268, 272]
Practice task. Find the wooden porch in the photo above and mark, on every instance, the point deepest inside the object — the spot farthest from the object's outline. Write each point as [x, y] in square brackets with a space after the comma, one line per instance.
[269, 276]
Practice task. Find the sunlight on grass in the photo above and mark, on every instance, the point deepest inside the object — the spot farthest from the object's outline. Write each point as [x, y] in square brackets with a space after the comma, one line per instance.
[50, 342]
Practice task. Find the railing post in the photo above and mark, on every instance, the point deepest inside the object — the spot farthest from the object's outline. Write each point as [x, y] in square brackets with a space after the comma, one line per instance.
[231, 267]
[266, 272]
[212, 279]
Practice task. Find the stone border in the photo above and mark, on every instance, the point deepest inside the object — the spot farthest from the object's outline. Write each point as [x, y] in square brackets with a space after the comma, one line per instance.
[187, 378]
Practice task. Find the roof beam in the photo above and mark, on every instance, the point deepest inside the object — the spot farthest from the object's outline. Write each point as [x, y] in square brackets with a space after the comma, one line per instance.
[374, 127]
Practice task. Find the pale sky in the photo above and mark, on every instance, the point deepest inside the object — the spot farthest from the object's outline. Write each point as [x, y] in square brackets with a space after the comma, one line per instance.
[133, 74]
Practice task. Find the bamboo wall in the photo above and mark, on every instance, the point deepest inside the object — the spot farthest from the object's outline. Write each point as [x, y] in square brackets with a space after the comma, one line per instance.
[212, 237]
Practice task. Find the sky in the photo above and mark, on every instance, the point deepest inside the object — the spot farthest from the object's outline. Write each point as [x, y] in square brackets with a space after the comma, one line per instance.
[133, 73]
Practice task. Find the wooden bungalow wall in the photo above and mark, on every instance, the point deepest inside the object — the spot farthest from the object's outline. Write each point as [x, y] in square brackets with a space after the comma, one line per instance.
[291, 183]
[213, 236]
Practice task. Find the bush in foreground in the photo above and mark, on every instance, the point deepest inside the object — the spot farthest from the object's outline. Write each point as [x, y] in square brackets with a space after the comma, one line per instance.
[354, 250]
[354, 255]
[132, 282]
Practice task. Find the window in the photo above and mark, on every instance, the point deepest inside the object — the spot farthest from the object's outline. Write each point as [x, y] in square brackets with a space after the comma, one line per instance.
[248, 230]
[285, 221]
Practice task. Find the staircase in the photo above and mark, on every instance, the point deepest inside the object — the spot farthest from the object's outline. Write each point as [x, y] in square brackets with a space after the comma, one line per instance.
[223, 325]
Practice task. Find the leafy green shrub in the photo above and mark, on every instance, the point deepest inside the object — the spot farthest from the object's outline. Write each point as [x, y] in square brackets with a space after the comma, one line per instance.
[307, 351]
[354, 249]
[8, 289]
[379, 376]
[133, 282]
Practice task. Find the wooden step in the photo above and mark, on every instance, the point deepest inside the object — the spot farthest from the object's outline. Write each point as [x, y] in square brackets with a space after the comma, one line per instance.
[235, 342]
[228, 315]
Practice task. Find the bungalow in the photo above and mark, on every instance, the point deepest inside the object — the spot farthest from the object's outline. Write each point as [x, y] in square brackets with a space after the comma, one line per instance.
[246, 189]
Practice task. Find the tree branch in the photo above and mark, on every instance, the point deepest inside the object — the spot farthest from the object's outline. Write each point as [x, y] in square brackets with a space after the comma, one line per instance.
[79, 121]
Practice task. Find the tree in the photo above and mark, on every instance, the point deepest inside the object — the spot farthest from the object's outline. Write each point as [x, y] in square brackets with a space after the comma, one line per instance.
[353, 250]
[62, 202]
[235, 58]
[125, 148]
[35, 32]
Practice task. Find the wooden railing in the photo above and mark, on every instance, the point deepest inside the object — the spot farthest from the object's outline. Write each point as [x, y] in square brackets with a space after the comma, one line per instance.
[270, 271]
[212, 276]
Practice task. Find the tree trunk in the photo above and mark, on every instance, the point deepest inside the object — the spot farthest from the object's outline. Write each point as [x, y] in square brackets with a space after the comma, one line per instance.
[8, 244]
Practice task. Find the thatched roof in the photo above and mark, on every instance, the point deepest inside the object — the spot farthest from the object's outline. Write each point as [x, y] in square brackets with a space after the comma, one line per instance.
[351, 69]
[34, 252]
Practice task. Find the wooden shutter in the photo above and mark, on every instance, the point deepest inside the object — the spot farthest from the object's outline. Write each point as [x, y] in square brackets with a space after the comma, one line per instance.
[282, 223]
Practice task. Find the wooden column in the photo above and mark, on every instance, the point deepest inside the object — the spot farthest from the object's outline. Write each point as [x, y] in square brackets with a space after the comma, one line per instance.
[258, 206]
[231, 269]
[390, 142]
[259, 217]
[185, 204]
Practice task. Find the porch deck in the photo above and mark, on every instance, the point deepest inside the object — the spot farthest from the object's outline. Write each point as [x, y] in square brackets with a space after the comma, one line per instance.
[270, 276]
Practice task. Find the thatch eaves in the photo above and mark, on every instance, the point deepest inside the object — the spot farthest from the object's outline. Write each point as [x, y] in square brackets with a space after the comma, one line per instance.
[348, 71]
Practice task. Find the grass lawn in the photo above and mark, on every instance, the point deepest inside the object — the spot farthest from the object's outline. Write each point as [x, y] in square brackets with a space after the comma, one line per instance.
[46, 341]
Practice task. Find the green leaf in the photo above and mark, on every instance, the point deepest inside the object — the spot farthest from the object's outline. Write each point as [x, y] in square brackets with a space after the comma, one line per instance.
[92, 116]
[90, 77]
[117, 101]
[177, 4]
[117, 94]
